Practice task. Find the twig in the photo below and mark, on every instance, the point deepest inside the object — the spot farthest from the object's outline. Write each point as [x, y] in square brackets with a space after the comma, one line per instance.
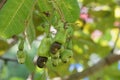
[108, 60]
[115, 42]
[8, 59]
[2, 3]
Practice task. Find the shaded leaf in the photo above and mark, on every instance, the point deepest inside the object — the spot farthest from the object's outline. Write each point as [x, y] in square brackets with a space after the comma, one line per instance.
[29, 63]
[30, 30]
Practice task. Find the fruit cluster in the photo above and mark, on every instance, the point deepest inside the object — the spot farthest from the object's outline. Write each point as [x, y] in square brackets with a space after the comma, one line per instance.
[58, 48]
[21, 54]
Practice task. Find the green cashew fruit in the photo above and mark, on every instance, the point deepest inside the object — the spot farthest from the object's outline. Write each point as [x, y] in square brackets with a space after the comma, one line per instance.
[55, 56]
[59, 40]
[21, 56]
[66, 55]
[68, 43]
[61, 36]
[55, 61]
[21, 45]
[44, 47]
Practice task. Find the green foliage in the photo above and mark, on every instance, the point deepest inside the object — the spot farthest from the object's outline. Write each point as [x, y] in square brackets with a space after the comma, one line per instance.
[30, 30]
[21, 56]
[44, 6]
[82, 30]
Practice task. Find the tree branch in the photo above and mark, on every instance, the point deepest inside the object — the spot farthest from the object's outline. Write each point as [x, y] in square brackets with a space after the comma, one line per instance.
[110, 59]
[2, 2]
[8, 59]
[116, 41]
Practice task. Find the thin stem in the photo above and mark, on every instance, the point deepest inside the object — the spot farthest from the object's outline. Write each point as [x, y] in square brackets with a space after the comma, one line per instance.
[2, 3]
[8, 59]
[116, 41]
[106, 61]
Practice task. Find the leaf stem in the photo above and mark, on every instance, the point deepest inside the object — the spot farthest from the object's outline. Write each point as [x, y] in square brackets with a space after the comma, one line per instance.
[116, 41]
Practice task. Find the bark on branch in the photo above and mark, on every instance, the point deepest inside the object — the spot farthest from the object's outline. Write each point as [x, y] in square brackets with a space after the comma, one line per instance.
[110, 59]
[2, 2]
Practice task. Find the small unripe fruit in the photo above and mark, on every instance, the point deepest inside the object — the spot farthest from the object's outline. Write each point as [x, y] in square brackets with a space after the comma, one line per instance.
[44, 47]
[61, 35]
[55, 61]
[21, 45]
[21, 56]
[66, 55]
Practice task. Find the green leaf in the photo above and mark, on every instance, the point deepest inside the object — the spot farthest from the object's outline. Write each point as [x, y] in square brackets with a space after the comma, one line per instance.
[3, 47]
[44, 5]
[70, 9]
[30, 30]
[29, 63]
[13, 16]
